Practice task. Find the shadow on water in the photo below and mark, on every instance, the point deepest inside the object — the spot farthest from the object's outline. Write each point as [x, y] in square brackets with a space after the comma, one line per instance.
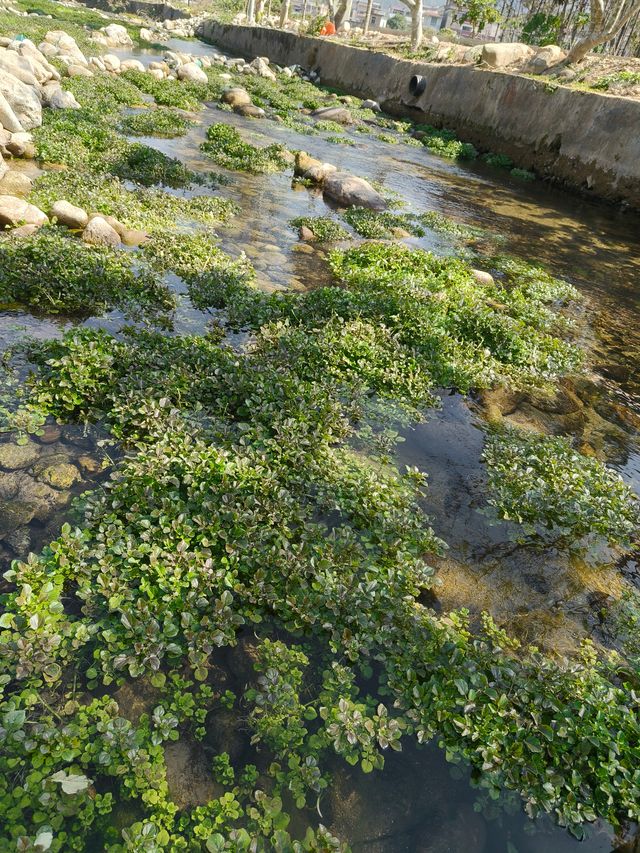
[420, 803]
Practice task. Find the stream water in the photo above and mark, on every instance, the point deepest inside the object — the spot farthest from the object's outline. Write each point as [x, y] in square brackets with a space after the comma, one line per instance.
[419, 802]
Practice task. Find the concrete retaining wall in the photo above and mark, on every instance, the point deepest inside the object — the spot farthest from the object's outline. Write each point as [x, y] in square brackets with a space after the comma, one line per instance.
[588, 141]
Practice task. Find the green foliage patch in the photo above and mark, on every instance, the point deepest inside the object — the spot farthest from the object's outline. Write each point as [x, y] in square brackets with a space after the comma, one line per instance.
[324, 228]
[541, 480]
[164, 122]
[380, 225]
[445, 143]
[53, 273]
[227, 148]
[150, 209]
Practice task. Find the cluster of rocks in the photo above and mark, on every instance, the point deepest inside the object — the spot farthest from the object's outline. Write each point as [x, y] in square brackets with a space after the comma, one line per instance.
[173, 28]
[37, 483]
[505, 55]
[95, 228]
[28, 82]
[343, 189]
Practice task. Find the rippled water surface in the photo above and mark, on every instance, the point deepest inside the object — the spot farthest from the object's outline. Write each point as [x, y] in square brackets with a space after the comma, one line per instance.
[419, 802]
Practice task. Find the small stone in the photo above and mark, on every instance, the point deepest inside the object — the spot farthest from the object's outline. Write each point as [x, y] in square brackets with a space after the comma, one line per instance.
[24, 231]
[249, 111]
[19, 540]
[133, 237]
[370, 105]
[61, 475]
[482, 277]
[99, 233]
[68, 214]
[236, 96]
[338, 114]
[306, 234]
[16, 456]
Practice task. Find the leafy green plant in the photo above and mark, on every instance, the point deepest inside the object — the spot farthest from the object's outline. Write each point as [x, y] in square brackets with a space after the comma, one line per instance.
[542, 480]
[380, 225]
[225, 145]
[163, 122]
[445, 143]
[58, 274]
[324, 228]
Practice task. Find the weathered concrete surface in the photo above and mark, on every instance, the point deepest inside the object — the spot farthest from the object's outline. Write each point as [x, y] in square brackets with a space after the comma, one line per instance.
[586, 140]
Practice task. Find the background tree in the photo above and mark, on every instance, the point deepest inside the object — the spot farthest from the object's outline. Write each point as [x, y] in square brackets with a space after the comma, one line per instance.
[398, 22]
[367, 17]
[478, 13]
[284, 12]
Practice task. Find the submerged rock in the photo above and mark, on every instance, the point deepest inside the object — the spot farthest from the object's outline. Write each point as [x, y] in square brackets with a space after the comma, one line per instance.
[13, 456]
[60, 475]
[351, 191]
[339, 114]
[14, 515]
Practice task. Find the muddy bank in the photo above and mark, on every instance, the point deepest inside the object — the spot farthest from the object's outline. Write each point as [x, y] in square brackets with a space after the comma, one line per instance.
[563, 134]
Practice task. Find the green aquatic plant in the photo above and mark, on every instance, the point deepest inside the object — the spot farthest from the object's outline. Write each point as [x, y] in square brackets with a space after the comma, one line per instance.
[197, 259]
[381, 225]
[151, 209]
[445, 143]
[53, 273]
[324, 228]
[499, 161]
[444, 225]
[523, 174]
[170, 93]
[162, 122]
[225, 145]
[541, 480]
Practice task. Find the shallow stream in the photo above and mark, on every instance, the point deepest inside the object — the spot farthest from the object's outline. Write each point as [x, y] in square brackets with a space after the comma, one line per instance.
[419, 802]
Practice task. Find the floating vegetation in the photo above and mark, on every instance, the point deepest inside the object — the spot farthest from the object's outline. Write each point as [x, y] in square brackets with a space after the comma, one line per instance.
[382, 225]
[225, 145]
[141, 208]
[163, 122]
[324, 228]
[54, 273]
[540, 480]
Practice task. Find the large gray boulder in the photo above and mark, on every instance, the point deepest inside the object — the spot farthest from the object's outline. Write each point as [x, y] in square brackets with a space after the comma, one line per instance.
[117, 36]
[16, 211]
[351, 191]
[341, 115]
[192, 73]
[501, 55]
[8, 119]
[18, 66]
[23, 100]
[545, 58]
[99, 233]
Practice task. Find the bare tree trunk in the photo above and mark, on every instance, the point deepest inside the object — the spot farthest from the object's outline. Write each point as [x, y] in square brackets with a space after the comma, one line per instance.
[284, 12]
[416, 25]
[367, 17]
[343, 13]
[603, 26]
[304, 10]
[251, 11]
[259, 9]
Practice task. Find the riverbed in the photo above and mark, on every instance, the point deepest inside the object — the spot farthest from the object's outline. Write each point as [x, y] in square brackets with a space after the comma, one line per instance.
[546, 596]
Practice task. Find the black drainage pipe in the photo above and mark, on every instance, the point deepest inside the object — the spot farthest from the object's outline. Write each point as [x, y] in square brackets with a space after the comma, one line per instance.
[417, 85]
